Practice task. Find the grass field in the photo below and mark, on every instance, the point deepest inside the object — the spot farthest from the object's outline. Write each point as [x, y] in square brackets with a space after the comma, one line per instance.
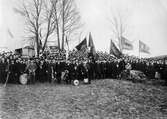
[103, 99]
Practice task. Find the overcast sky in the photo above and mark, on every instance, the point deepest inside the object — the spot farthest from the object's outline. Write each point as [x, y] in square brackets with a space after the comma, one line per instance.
[146, 21]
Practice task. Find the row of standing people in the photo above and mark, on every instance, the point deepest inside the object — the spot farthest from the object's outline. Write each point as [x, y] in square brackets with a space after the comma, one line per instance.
[44, 70]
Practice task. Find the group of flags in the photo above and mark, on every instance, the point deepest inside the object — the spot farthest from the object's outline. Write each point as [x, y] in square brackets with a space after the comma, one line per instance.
[82, 46]
[125, 44]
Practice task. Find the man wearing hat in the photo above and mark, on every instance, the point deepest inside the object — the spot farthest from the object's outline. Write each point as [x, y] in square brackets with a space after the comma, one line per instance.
[13, 72]
[31, 67]
[90, 70]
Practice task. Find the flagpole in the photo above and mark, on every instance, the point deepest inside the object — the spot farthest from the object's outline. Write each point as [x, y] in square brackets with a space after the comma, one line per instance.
[139, 48]
[67, 50]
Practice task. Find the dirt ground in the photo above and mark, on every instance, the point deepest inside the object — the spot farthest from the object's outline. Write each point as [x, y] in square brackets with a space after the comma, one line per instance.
[103, 99]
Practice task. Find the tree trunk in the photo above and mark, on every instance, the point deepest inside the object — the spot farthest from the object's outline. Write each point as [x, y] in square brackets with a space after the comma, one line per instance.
[37, 45]
[58, 37]
[46, 40]
[62, 45]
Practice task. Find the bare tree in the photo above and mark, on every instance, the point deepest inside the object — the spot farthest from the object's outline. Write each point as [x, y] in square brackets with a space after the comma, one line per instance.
[32, 13]
[71, 19]
[49, 21]
[67, 19]
[56, 16]
[45, 17]
[39, 21]
[119, 25]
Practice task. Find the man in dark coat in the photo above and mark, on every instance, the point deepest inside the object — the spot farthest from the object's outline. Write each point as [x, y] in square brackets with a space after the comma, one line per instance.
[113, 69]
[165, 72]
[81, 71]
[72, 68]
[20, 66]
[121, 65]
[97, 70]
[3, 67]
[50, 71]
[102, 67]
[58, 70]
[13, 72]
[42, 75]
[90, 68]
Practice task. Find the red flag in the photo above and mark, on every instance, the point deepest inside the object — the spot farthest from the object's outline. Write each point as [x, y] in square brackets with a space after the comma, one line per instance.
[143, 47]
[114, 50]
[82, 45]
[126, 44]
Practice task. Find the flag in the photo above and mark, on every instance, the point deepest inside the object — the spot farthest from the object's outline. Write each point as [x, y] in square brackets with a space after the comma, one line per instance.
[10, 33]
[114, 50]
[143, 47]
[82, 45]
[126, 44]
[67, 50]
[91, 45]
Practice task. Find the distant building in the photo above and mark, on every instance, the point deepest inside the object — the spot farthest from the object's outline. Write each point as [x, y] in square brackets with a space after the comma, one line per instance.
[52, 47]
[18, 51]
[28, 51]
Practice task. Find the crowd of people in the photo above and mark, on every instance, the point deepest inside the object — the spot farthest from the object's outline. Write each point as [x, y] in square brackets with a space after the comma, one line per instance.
[55, 67]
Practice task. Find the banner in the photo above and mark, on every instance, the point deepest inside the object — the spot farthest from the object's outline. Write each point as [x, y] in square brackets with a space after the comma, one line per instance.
[114, 50]
[126, 44]
[143, 47]
[82, 45]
